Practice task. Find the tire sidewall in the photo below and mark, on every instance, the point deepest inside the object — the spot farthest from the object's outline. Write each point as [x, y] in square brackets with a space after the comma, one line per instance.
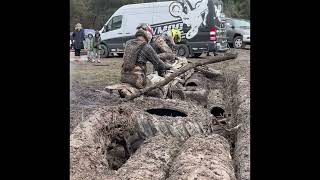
[183, 48]
[104, 51]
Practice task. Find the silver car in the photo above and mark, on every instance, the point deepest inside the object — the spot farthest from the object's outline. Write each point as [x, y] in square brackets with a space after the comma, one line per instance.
[238, 32]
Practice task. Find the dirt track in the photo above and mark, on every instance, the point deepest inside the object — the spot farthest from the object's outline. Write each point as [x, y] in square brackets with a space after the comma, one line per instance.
[87, 78]
[98, 137]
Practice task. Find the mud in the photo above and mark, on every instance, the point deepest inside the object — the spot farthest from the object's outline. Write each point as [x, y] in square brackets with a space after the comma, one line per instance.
[203, 157]
[152, 138]
[151, 160]
[242, 143]
[198, 119]
[111, 135]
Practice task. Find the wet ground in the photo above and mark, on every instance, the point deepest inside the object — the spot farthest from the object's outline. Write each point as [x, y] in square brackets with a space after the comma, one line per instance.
[87, 80]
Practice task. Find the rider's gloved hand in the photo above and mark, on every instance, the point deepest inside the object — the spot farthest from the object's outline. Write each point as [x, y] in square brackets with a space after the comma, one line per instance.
[167, 66]
[161, 73]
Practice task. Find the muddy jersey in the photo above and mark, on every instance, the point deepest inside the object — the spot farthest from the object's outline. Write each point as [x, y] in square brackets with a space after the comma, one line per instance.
[167, 36]
[164, 49]
[134, 68]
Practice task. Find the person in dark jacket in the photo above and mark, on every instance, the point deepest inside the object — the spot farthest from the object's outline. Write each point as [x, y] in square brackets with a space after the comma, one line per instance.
[78, 38]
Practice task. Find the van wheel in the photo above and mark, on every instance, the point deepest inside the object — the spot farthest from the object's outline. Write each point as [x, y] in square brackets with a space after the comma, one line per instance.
[196, 54]
[183, 50]
[120, 54]
[238, 43]
[104, 52]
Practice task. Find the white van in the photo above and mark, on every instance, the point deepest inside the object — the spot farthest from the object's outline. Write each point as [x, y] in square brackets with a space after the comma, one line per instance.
[199, 20]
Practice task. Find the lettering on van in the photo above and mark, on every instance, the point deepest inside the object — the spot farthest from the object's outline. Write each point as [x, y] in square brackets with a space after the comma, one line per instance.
[192, 13]
[163, 27]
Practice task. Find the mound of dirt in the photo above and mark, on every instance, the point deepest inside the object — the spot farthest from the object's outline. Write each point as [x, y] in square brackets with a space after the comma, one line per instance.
[110, 135]
[203, 157]
[151, 160]
[242, 143]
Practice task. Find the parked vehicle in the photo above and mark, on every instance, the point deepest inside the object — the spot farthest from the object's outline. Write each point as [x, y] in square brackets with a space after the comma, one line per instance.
[88, 31]
[198, 20]
[238, 32]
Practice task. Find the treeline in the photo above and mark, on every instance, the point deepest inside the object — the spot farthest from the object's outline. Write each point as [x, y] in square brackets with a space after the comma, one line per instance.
[94, 13]
[237, 8]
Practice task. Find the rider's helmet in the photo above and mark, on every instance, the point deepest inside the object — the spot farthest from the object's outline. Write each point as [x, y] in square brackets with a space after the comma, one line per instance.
[146, 27]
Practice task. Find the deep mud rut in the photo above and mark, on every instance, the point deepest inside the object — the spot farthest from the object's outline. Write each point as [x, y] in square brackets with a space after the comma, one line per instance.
[153, 138]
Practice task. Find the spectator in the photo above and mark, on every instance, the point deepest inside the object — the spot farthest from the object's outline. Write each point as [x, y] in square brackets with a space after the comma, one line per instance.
[96, 46]
[78, 38]
[89, 47]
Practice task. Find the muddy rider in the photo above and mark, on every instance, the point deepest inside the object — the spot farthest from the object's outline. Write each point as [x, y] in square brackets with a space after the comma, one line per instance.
[165, 42]
[137, 52]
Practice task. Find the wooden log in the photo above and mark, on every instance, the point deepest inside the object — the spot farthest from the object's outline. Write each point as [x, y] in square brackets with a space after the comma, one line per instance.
[182, 70]
[209, 72]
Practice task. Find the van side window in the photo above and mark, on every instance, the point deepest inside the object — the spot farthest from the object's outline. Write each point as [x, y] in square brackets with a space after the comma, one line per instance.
[228, 23]
[115, 23]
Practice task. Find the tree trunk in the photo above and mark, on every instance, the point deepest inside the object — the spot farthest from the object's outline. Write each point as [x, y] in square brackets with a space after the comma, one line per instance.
[94, 21]
[209, 72]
